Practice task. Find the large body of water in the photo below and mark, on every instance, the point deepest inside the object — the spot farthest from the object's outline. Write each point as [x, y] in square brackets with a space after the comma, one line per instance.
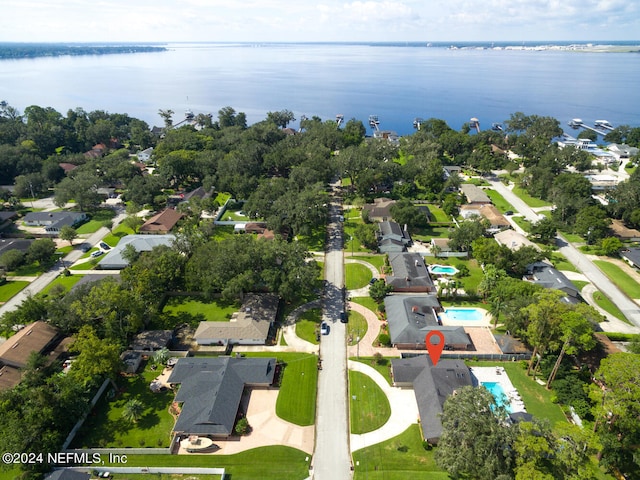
[396, 82]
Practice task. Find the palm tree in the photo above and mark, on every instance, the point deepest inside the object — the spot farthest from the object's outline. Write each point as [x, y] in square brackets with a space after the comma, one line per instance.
[132, 410]
[161, 356]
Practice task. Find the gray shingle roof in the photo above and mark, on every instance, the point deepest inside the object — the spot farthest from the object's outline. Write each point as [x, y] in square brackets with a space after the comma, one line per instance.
[474, 194]
[409, 270]
[211, 390]
[549, 277]
[633, 255]
[142, 243]
[432, 385]
[411, 317]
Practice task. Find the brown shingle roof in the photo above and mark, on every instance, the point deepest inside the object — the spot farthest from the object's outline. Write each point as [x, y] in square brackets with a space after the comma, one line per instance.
[162, 222]
[35, 337]
[494, 216]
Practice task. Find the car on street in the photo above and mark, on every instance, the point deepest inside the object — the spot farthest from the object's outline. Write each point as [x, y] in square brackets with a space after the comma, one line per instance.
[344, 318]
[324, 328]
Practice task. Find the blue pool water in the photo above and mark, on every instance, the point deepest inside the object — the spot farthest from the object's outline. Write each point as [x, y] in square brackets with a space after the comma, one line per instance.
[443, 269]
[470, 314]
[498, 394]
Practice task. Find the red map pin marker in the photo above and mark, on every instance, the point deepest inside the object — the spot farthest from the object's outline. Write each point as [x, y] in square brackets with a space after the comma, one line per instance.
[434, 349]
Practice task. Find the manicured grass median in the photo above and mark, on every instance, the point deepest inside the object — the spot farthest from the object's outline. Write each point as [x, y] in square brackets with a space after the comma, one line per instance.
[608, 306]
[499, 201]
[618, 276]
[356, 276]
[528, 199]
[265, 463]
[368, 404]
[399, 458]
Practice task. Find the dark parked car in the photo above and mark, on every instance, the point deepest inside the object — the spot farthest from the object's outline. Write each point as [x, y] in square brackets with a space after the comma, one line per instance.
[344, 318]
[509, 212]
[104, 246]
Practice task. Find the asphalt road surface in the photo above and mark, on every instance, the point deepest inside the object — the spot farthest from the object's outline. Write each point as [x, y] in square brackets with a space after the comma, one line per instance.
[331, 459]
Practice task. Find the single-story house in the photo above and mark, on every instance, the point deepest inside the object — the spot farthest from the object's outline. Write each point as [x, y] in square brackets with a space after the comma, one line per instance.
[546, 275]
[380, 209]
[211, 389]
[249, 326]
[623, 232]
[452, 169]
[631, 256]
[114, 260]
[509, 344]
[622, 151]
[67, 167]
[432, 385]
[392, 238]
[409, 273]
[161, 223]
[53, 221]
[440, 245]
[514, 240]
[411, 317]
[474, 194]
[497, 221]
[6, 218]
[145, 155]
[21, 244]
[15, 351]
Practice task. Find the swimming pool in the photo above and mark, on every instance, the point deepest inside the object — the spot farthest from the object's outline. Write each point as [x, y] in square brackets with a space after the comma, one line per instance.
[443, 269]
[498, 394]
[467, 314]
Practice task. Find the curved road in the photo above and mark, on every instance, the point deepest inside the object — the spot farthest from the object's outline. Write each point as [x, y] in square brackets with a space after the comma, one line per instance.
[628, 307]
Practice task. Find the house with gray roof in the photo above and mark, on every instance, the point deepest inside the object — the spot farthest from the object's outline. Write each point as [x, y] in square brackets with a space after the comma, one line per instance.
[67, 474]
[474, 194]
[432, 385]
[411, 317]
[248, 326]
[380, 209]
[53, 221]
[211, 390]
[392, 238]
[547, 276]
[631, 256]
[409, 273]
[114, 259]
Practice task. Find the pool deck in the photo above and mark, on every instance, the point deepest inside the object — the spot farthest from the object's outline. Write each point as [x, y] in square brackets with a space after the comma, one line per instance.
[499, 375]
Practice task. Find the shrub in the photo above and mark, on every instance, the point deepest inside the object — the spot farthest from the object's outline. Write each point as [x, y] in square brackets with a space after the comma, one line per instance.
[242, 427]
[384, 339]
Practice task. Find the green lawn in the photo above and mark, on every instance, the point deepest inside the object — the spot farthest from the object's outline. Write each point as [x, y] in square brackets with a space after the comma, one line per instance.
[438, 215]
[528, 199]
[356, 276]
[116, 235]
[265, 463]
[308, 325]
[522, 222]
[618, 276]
[368, 405]
[572, 237]
[315, 240]
[382, 366]
[426, 234]
[96, 221]
[215, 310]
[66, 282]
[30, 270]
[160, 476]
[368, 302]
[536, 397]
[561, 263]
[608, 306]
[375, 260]
[9, 289]
[297, 398]
[470, 283]
[499, 201]
[357, 327]
[400, 458]
[349, 228]
[580, 284]
[107, 428]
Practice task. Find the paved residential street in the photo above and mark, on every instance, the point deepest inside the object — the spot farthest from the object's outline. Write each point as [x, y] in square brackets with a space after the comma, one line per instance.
[628, 307]
[332, 460]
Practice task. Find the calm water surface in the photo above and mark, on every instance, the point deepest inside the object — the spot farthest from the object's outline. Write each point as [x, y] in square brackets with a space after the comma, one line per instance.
[397, 83]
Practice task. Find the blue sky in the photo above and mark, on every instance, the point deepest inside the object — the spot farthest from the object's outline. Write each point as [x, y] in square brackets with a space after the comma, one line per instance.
[318, 20]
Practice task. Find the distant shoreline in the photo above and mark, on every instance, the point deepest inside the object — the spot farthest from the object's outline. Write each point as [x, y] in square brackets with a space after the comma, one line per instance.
[18, 51]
